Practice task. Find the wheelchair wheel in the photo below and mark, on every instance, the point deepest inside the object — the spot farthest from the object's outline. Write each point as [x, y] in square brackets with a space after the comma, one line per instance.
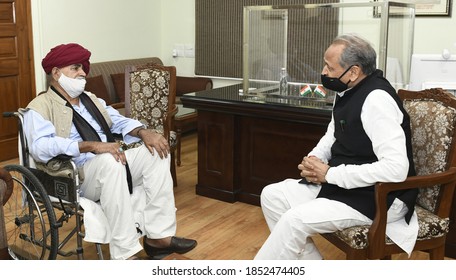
[29, 218]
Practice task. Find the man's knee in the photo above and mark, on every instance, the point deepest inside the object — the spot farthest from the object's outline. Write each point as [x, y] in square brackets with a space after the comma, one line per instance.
[267, 195]
[291, 217]
[106, 162]
[154, 158]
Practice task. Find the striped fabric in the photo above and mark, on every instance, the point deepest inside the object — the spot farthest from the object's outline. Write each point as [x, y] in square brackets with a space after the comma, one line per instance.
[219, 36]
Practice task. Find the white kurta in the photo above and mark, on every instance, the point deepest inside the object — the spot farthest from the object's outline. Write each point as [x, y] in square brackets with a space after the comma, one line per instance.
[294, 214]
[117, 215]
[150, 208]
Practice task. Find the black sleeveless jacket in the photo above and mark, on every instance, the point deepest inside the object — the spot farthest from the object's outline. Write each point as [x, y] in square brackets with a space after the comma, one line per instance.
[353, 146]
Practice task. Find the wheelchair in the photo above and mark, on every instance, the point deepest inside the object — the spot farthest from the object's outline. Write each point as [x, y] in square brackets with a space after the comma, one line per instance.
[44, 200]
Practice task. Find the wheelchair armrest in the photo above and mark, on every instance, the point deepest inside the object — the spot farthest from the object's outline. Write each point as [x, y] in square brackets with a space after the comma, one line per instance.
[62, 157]
[60, 166]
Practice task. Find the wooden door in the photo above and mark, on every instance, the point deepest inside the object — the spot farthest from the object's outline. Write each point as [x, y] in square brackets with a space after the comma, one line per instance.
[17, 86]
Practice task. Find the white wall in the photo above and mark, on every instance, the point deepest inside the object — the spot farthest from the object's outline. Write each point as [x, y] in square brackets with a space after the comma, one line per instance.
[433, 34]
[178, 19]
[110, 29]
[119, 29]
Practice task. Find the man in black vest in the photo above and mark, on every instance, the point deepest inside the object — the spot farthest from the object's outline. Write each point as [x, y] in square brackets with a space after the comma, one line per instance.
[68, 120]
[367, 141]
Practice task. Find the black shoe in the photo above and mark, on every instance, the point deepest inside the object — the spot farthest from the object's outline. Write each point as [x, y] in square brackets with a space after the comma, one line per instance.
[178, 245]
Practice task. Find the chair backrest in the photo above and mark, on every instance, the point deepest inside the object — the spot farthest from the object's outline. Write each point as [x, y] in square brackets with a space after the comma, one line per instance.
[432, 119]
[151, 95]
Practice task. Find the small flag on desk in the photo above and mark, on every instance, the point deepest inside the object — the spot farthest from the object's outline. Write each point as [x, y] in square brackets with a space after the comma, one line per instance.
[305, 90]
[320, 91]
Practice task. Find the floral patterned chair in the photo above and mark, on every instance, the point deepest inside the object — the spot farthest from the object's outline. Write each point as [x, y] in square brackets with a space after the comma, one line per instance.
[151, 91]
[433, 118]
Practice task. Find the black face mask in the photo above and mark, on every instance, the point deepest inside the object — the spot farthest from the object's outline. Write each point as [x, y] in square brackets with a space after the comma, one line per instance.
[335, 83]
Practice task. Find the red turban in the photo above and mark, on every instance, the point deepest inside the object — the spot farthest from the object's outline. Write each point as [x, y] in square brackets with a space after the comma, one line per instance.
[65, 55]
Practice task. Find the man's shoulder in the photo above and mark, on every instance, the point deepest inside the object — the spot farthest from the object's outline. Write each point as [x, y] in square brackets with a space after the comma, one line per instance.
[44, 103]
[39, 99]
[48, 96]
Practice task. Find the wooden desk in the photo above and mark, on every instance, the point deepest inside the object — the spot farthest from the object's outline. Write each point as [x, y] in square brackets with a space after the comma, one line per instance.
[246, 143]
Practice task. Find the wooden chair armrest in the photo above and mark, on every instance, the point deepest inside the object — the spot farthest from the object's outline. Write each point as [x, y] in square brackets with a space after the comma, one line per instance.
[377, 231]
[6, 177]
[169, 122]
[172, 112]
[118, 105]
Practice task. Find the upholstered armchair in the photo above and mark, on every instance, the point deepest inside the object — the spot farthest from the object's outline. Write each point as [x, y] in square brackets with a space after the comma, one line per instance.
[433, 118]
[150, 98]
[6, 189]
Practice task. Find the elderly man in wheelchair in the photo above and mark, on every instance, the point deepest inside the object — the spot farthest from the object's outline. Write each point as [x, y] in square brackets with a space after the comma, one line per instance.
[66, 120]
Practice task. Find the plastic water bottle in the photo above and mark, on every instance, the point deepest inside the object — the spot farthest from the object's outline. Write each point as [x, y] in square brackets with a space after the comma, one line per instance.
[283, 83]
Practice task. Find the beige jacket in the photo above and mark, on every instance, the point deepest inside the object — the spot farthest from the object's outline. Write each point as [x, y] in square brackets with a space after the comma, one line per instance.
[52, 108]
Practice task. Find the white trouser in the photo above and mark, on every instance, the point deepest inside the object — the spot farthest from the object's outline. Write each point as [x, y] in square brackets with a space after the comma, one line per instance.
[106, 180]
[294, 215]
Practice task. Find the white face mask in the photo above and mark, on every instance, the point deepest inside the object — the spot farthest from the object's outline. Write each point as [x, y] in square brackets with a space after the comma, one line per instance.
[74, 87]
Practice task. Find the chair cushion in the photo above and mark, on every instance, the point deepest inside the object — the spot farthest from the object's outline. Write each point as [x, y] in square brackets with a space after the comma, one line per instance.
[430, 226]
[97, 86]
[432, 126]
[118, 80]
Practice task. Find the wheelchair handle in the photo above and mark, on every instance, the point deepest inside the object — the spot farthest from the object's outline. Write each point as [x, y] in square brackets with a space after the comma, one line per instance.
[8, 114]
